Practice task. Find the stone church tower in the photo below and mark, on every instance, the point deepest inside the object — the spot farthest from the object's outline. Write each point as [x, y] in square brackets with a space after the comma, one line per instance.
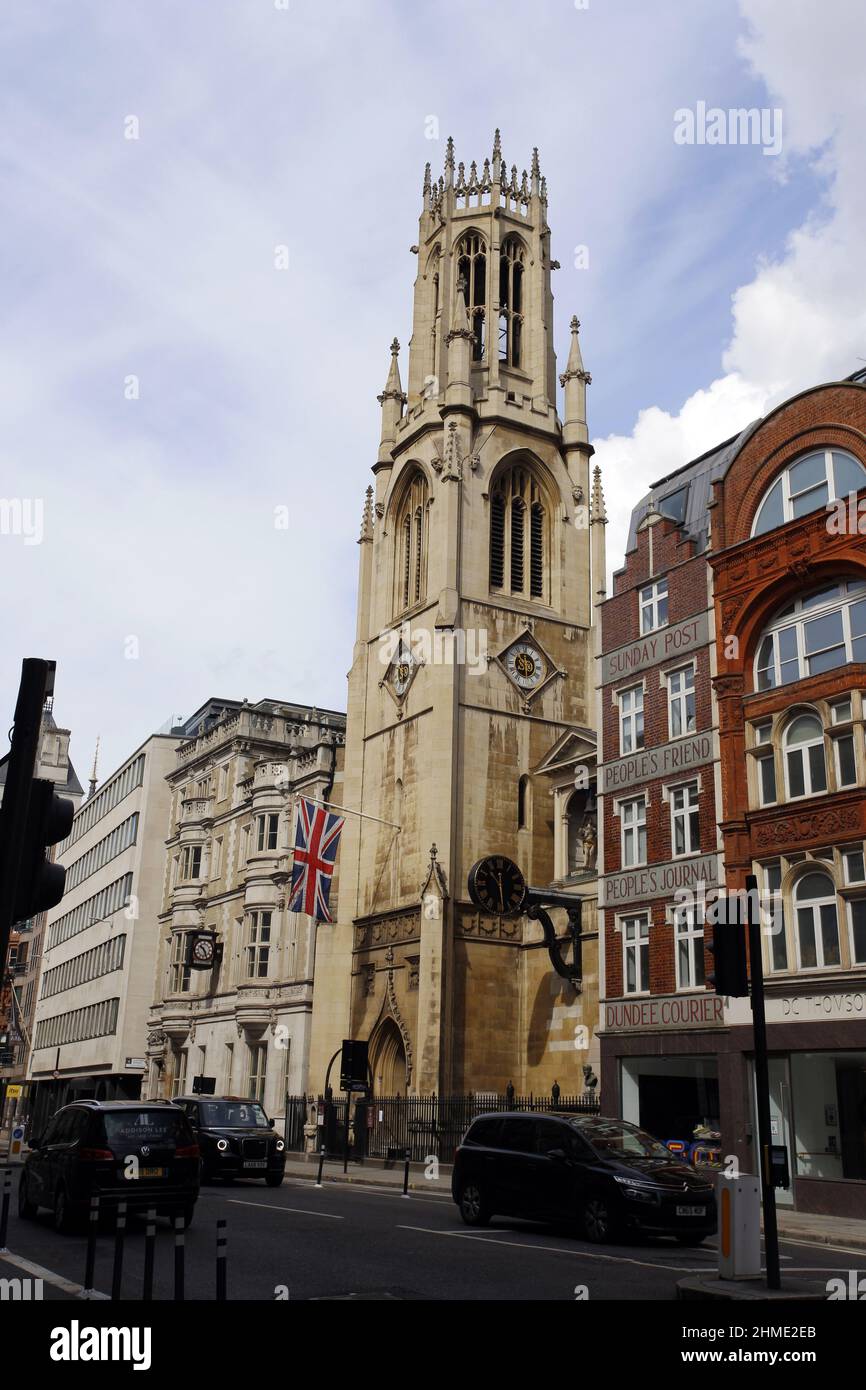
[481, 551]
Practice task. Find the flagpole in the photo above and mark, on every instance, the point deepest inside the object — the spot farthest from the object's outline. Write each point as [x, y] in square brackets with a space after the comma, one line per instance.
[332, 806]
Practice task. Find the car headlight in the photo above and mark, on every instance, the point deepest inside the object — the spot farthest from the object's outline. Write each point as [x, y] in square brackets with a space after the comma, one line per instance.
[280, 1146]
[222, 1145]
[636, 1191]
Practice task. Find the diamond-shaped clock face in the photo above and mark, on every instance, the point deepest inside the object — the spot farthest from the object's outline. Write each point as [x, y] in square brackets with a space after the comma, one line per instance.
[528, 666]
[400, 675]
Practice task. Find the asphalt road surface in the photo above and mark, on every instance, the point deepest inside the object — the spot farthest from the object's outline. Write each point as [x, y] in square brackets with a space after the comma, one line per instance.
[340, 1241]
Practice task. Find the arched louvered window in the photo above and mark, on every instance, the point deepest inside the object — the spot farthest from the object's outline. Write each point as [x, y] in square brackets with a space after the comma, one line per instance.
[519, 535]
[511, 266]
[497, 541]
[410, 531]
[472, 270]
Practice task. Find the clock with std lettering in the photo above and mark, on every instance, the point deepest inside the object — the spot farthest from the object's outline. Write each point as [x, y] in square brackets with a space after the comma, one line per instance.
[525, 665]
[203, 951]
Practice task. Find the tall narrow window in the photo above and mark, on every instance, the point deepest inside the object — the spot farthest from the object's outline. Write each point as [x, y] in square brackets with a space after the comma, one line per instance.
[536, 576]
[805, 765]
[410, 531]
[523, 808]
[635, 942]
[518, 526]
[497, 541]
[472, 270]
[511, 264]
[519, 541]
[817, 922]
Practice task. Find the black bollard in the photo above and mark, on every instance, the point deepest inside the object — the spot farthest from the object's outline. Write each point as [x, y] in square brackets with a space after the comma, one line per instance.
[221, 1240]
[119, 1238]
[4, 1211]
[90, 1262]
[406, 1175]
[179, 1255]
[321, 1166]
[149, 1243]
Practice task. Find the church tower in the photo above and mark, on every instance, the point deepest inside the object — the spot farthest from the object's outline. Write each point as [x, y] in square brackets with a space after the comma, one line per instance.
[473, 655]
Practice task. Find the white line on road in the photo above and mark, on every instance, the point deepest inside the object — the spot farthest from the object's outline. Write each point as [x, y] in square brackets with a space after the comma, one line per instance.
[300, 1211]
[556, 1250]
[49, 1277]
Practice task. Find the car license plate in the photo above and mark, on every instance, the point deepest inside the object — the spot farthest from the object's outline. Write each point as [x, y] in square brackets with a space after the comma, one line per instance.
[691, 1211]
[255, 1163]
[151, 1172]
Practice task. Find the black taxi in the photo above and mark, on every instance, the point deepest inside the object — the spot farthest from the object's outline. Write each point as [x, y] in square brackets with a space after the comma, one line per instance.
[236, 1138]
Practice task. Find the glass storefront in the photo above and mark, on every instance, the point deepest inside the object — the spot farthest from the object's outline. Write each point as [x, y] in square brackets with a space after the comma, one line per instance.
[674, 1098]
[829, 1105]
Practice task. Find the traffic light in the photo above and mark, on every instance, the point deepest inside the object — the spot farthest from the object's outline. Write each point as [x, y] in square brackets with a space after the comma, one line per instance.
[729, 974]
[32, 815]
[40, 883]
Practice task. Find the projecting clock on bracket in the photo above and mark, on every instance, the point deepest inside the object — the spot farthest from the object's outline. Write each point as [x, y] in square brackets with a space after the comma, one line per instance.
[528, 666]
[400, 675]
[204, 952]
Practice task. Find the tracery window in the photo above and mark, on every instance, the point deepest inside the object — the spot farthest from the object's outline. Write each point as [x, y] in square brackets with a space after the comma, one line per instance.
[518, 535]
[472, 270]
[411, 544]
[512, 259]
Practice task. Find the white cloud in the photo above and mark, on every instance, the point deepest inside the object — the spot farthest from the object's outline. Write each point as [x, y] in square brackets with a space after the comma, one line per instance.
[802, 317]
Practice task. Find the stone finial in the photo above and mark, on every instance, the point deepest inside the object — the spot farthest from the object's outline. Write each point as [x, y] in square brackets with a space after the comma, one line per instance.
[597, 511]
[367, 516]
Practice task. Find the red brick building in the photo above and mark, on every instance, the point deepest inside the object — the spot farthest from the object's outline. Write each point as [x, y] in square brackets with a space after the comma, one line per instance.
[732, 680]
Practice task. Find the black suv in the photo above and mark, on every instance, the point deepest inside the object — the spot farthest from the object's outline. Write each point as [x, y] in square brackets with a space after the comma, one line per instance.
[236, 1138]
[608, 1175]
[140, 1152]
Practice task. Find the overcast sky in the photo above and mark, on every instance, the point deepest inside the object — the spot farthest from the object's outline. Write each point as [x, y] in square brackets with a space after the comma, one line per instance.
[720, 279]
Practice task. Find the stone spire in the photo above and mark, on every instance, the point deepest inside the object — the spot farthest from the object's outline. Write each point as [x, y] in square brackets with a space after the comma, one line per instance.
[367, 517]
[449, 162]
[92, 788]
[497, 156]
[597, 510]
[574, 380]
[391, 401]
[427, 190]
[535, 173]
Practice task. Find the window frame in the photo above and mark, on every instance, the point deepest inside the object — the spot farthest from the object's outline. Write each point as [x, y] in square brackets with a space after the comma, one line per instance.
[689, 814]
[633, 826]
[638, 946]
[630, 717]
[679, 700]
[788, 498]
[658, 595]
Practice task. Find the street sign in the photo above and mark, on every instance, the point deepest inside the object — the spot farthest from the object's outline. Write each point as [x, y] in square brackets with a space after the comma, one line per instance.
[14, 1092]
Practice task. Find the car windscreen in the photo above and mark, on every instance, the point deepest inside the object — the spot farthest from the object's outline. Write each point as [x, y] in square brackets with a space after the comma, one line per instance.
[618, 1139]
[232, 1114]
[144, 1127]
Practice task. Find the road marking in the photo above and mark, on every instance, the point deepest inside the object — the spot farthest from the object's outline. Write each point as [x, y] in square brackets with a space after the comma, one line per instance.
[300, 1211]
[554, 1250]
[49, 1277]
[820, 1245]
[368, 1189]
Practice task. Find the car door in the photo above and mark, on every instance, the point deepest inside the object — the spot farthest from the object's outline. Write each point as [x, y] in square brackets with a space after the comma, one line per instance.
[38, 1185]
[557, 1169]
[519, 1167]
[57, 1153]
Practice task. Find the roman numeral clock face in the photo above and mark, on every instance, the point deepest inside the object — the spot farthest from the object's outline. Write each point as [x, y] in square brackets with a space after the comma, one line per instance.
[496, 885]
[525, 665]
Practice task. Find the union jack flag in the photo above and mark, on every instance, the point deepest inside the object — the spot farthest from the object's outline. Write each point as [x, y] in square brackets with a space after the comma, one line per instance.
[317, 836]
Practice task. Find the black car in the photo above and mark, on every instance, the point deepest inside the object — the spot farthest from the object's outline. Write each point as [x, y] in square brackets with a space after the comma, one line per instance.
[607, 1175]
[236, 1138]
[140, 1152]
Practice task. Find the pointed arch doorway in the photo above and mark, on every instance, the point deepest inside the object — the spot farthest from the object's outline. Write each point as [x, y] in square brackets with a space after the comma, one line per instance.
[388, 1060]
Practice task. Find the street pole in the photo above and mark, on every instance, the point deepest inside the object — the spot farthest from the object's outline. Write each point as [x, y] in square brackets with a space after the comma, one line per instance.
[762, 1083]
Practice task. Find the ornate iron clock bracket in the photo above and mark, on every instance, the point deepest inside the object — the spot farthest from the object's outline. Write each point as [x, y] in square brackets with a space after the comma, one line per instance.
[537, 900]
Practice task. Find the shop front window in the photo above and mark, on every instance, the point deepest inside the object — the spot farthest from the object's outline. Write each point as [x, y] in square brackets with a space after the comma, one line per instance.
[829, 1104]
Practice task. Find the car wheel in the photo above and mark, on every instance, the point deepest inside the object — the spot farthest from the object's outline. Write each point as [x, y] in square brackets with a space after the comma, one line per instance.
[273, 1179]
[26, 1210]
[473, 1206]
[690, 1240]
[64, 1220]
[596, 1220]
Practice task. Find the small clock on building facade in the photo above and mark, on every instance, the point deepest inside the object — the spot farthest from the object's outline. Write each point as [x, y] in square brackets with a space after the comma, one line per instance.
[203, 952]
[402, 672]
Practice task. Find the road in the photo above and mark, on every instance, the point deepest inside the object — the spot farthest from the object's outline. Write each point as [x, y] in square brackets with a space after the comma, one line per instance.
[340, 1241]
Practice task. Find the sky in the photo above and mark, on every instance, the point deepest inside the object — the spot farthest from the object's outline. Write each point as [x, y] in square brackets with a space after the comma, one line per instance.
[170, 384]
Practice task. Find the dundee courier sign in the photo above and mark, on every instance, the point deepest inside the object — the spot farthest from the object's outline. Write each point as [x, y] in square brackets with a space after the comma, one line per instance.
[666, 1011]
[657, 762]
[677, 640]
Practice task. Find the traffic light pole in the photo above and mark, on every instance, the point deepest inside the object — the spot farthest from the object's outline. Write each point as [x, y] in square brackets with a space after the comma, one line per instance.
[762, 1084]
[37, 682]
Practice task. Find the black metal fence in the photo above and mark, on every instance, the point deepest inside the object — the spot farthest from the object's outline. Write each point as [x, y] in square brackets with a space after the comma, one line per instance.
[296, 1118]
[427, 1126]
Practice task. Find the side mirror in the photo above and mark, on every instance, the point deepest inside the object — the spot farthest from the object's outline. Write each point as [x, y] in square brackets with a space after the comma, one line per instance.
[270, 1124]
[556, 1153]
